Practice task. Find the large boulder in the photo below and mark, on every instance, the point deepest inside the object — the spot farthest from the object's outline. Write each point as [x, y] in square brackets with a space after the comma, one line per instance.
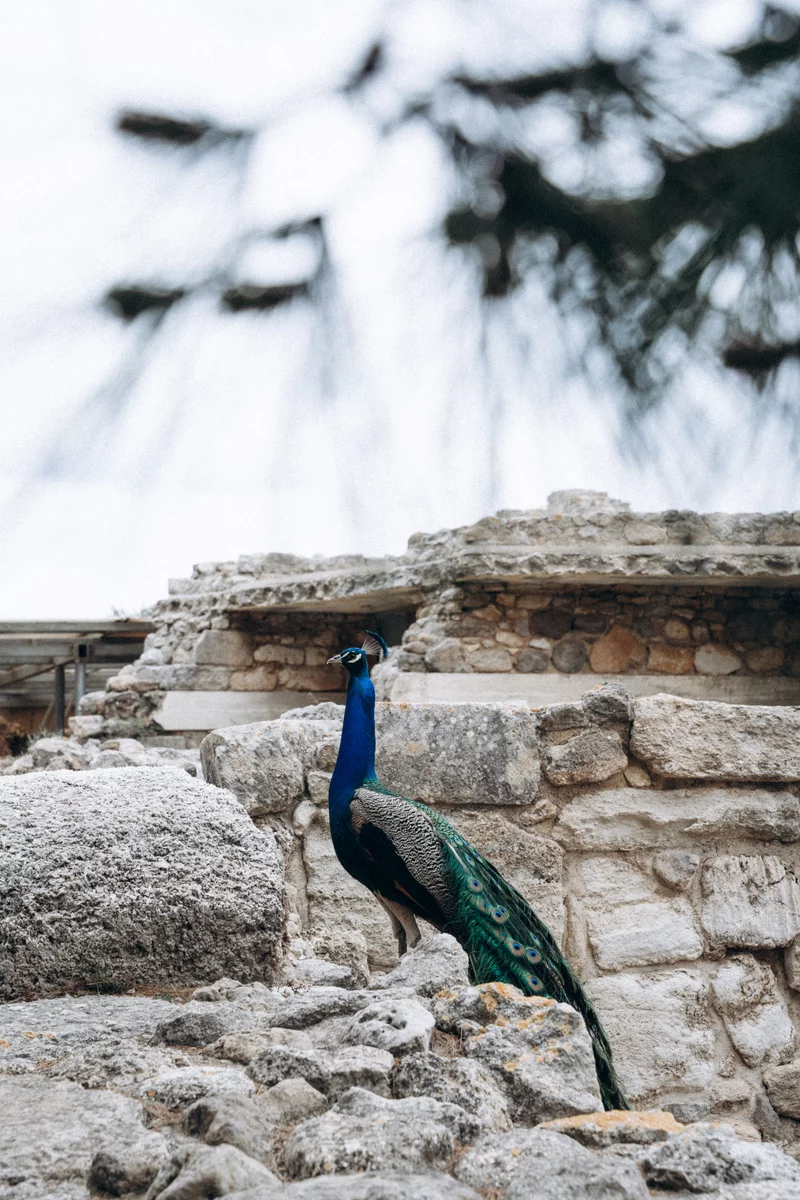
[116, 878]
[703, 739]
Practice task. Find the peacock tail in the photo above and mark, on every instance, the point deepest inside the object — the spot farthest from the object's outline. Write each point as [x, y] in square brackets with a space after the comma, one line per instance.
[506, 942]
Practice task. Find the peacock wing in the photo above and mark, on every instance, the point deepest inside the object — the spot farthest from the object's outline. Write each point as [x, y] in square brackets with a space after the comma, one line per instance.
[410, 860]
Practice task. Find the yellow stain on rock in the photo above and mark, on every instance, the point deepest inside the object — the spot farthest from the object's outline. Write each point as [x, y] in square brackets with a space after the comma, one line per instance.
[618, 1121]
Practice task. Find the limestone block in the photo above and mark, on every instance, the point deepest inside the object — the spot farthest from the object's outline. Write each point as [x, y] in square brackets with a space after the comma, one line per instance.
[538, 1051]
[791, 960]
[224, 648]
[542, 1163]
[401, 1026]
[659, 1029]
[459, 754]
[669, 660]
[178, 1087]
[447, 655]
[490, 660]
[365, 1132]
[755, 1016]
[461, 1081]
[749, 901]
[598, 1131]
[704, 739]
[209, 1171]
[619, 650]
[644, 934]
[337, 902]
[716, 660]
[530, 862]
[133, 876]
[438, 962]
[264, 764]
[707, 1157]
[630, 818]
[588, 757]
[676, 868]
[783, 1088]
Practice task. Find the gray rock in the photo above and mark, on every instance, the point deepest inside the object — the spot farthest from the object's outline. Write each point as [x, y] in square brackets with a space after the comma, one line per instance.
[318, 1004]
[437, 962]
[541, 1163]
[791, 961]
[200, 1171]
[132, 877]
[703, 739]
[461, 1081]
[783, 1088]
[754, 1012]
[317, 972]
[588, 757]
[291, 1101]
[400, 1026]
[196, 1028]
[263, 764]
[375, 1185]
[243, 1047]
[676, 868]
[179, 1087]
[128, 1168]
[459, 754]
[347, 948]
[660, 1029]
[364, 1132]
[359, 1066]
[749, 901]
[703, 1159]
[599, 1131]
[644, 934]
[239, 1121]
[115, 1062]
[630, 818]
[52, 1131]
[275, 1063]
[224, 648]
[538, 1051]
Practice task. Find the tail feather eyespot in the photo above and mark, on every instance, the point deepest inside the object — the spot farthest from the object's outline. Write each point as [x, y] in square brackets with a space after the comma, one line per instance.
[533, 955]
[475, 885]
[500, 914]
[535, 984]
[516, 948]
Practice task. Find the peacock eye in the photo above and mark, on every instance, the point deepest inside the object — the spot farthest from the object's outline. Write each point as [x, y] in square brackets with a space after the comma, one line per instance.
[533, 955]
[535, 984]
[500, 914]
[517, 949]
[475, 885]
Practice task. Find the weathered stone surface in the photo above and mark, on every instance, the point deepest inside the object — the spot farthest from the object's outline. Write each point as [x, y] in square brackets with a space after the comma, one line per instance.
[130, 877]
[200, 1171]
[110, 1061]
[659, 1029]
[401, 1026]
[629, 818]
[538, 1051]
[791, 960]
[197, 1027]
[224, 648]
[461, 1081]
[438, 962]
[703, 1159]
[337, 901]
[749, 901]
[291, 1101]
[601, 1130]
[179, 1087]
[530, 862]
[588, 757]
[645, 934]
[51, 1131]
[264, 764]
[276, 1063]
[364, 1132]
[676, 868]
[346, 948]
[232, 1121]
[372, 1185]
[619, 650]
[703, 739]
[542, 1163]
[126, 1168]
[746, 995]
[783, 1089]
[459, 754]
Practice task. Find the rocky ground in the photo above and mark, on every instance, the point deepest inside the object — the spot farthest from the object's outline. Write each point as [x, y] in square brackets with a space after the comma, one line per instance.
[410, 1084]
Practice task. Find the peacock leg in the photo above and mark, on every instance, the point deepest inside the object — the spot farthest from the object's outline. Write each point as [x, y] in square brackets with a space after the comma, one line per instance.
[404, 924]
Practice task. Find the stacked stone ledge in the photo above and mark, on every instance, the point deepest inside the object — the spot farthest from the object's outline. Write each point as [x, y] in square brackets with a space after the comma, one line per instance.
[657, 837]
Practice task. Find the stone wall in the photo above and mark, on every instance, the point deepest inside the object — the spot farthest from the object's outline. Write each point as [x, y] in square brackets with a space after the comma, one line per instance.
[608, 631]
[658, 838]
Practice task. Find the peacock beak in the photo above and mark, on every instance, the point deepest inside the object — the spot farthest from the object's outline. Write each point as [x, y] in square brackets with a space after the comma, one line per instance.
[337, 658]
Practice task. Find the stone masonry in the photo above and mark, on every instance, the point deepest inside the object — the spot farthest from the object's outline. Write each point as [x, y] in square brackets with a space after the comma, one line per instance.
[703, 605]
[658, 838]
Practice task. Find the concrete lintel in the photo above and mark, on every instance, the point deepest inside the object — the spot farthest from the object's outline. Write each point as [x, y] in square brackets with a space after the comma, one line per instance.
[541, 690]
[215, 710]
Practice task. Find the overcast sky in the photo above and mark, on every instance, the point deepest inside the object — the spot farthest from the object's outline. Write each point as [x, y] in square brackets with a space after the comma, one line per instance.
[342, 428]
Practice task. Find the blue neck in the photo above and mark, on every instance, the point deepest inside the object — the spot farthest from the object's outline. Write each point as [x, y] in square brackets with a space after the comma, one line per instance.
[356, 761]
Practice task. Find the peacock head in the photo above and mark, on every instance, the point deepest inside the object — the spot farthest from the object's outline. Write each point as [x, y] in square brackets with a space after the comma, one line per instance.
[354, 658]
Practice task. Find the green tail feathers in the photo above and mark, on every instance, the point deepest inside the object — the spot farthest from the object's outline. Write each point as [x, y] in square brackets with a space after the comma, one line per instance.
[507, 943]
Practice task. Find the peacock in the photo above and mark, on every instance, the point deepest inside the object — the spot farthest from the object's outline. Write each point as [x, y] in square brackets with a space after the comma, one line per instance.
[417, 865]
